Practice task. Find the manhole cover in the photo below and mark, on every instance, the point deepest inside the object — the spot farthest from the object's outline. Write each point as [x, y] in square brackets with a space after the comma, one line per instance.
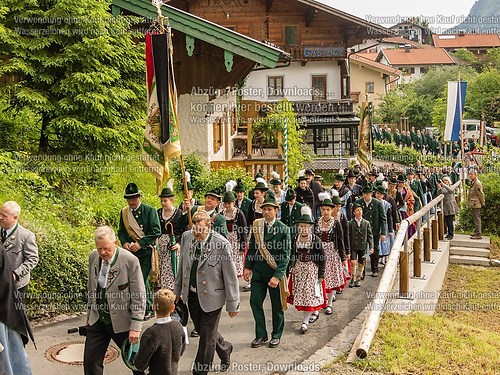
[71, 353]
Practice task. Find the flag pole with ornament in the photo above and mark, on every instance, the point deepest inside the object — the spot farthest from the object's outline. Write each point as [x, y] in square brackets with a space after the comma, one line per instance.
[162, 140]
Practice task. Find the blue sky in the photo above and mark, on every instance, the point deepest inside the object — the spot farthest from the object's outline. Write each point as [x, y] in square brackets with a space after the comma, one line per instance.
[441, 14]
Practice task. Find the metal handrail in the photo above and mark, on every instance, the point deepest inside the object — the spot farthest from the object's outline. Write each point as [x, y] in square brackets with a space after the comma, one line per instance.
[390, 271]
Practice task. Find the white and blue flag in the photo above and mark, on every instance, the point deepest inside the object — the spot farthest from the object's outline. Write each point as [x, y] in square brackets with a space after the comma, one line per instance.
[455, 110]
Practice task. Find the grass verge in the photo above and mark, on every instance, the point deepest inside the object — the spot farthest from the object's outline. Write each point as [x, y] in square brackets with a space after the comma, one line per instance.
[461, 338]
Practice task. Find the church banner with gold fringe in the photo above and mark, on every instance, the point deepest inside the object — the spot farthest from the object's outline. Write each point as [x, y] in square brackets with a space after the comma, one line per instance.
[365, 143]
[161, 137]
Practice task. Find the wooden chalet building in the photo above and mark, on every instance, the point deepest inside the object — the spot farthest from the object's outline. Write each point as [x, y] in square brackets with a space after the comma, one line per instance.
[209, 60]
[317, 80]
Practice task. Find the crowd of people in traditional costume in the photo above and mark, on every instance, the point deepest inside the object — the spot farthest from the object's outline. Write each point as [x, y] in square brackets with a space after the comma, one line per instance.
[303, 245]
[427, 141]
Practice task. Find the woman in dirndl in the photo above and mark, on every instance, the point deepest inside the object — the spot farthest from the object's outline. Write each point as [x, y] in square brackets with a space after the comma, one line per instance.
[168, 242]
[236, 228]
[408, 207]
[329, 230]
[307, 267]
[338, 214]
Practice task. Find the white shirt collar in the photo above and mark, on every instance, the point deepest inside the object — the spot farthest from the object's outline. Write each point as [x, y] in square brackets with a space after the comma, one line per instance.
[165, 320]
[272, 222]
[9, 231]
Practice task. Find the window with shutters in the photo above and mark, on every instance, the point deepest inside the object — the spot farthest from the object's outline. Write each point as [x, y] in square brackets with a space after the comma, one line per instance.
[218, 135]
[275, 86]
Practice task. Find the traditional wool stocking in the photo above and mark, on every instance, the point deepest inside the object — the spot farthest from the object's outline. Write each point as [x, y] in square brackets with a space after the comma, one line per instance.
[361, 267]
[330, 296]
[354, 268]
[307, 316]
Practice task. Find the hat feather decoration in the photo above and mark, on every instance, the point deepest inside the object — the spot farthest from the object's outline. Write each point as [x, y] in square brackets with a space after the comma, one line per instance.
[385, 184]
[302, 172]
[187, 176]
[306, 210]
[170, 184]
[260, 179]
[230, 185]
[275, 175]
[341, 171]
[323, 195]
[380, 177]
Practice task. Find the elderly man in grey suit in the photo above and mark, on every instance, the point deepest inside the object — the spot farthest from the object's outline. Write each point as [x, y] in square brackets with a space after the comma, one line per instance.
[207, 280]
[19, 245]
[116, 302]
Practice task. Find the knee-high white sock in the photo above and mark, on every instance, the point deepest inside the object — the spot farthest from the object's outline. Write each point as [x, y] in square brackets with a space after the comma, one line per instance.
[330, 296]
[307, 315]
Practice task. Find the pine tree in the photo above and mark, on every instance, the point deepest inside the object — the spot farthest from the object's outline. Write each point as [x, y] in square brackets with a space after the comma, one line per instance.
[79, 69]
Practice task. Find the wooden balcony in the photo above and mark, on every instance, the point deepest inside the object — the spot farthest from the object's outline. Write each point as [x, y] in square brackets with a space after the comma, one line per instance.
[265, 163]
[336, 107]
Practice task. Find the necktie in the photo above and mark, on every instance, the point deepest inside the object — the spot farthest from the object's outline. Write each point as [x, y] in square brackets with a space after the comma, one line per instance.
[4, 234]
[104, 273]
[194, 266]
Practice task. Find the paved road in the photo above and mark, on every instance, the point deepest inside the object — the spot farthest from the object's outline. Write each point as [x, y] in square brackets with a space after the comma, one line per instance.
[294, 346]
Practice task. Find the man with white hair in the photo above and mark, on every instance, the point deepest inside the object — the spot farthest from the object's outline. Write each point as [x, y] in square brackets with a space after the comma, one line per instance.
[116, 300]
[19, 245]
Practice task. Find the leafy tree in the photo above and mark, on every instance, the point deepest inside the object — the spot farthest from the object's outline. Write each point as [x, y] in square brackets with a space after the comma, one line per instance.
[492, 112]
[434, 82]
[465, 55]
[481, 91]
[419, 111]
[394, 105]
[492, 59]
[78, 69]
[439, 114]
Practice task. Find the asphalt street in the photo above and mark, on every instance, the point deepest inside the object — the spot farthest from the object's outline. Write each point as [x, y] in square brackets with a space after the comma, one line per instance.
[293, 349]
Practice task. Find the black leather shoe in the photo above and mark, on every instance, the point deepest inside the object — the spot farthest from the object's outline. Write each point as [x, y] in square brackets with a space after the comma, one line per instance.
[274, 343]
[225, 364]
[194, 333]
[351, 284]
[259, 341]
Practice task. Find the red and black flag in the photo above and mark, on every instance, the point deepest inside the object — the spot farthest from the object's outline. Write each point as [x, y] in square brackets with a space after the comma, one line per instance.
[161, 138]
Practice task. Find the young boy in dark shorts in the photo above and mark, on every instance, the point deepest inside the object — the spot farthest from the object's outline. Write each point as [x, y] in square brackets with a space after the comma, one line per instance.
[361, 239]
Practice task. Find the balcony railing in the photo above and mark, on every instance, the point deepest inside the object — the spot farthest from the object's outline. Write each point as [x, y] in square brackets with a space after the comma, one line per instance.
[333, 107]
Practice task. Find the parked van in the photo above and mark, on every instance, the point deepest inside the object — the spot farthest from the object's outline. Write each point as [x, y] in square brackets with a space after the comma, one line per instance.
[472, 128]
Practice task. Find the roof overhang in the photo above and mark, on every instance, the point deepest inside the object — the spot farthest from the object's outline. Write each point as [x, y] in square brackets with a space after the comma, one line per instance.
[372, 29]
[199, 28]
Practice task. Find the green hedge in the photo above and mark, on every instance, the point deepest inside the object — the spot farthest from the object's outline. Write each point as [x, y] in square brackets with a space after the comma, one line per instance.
[490, 218]
[64, 213]
[63, 218]
[204, 179]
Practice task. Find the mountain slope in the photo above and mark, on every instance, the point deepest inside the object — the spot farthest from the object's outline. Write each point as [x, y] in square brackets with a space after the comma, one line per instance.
[484, 17]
